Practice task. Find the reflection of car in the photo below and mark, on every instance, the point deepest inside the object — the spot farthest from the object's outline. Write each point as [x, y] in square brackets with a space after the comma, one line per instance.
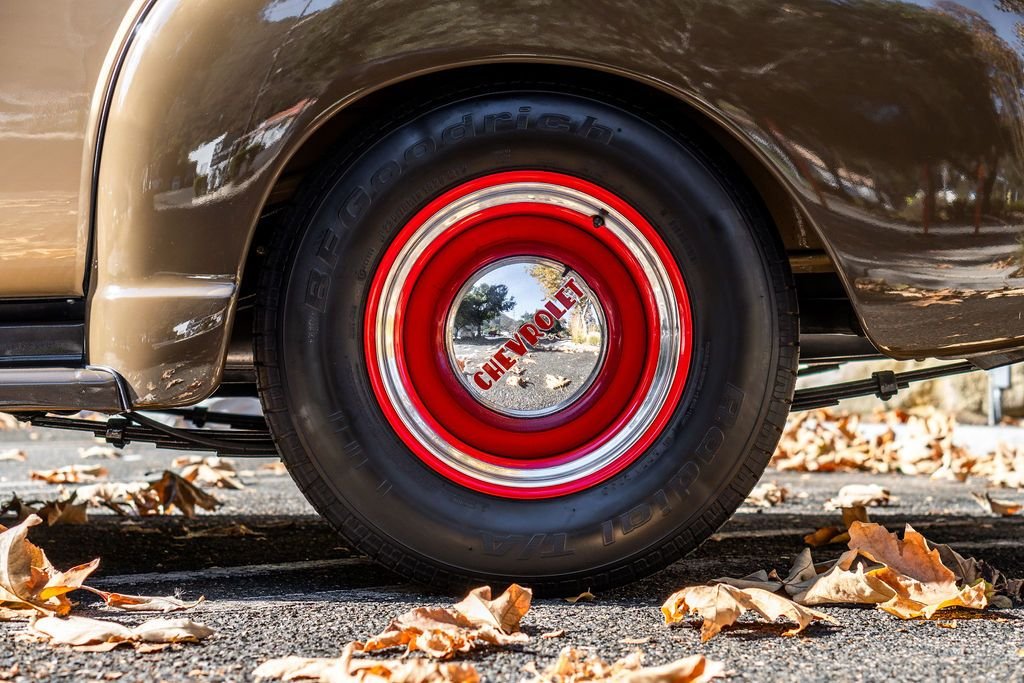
[292, 198]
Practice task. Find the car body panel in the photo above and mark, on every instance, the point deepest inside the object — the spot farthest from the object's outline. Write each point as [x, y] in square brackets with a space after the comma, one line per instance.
[886, 122]
[52, 53]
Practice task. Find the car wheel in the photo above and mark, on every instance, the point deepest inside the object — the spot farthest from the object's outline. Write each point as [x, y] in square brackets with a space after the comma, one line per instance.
[593, 430]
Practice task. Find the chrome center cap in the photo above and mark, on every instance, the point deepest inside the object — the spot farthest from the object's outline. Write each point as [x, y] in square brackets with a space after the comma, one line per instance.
[526, 336]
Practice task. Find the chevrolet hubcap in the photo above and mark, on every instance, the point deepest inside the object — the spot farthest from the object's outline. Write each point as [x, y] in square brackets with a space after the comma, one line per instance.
[526, 336]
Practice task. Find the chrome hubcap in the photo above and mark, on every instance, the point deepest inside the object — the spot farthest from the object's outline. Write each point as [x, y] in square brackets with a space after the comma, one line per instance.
[526, 336]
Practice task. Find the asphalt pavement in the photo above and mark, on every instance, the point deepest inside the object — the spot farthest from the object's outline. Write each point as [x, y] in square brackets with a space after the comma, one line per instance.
[279, 582]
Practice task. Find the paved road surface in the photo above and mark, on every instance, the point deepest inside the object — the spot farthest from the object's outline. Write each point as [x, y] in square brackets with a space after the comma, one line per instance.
[291, 587]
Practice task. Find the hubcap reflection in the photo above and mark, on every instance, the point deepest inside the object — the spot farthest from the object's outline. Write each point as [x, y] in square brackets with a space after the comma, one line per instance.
[526, 336]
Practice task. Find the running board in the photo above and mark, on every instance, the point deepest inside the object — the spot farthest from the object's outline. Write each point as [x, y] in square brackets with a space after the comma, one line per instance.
[884, 385]
[61, 389]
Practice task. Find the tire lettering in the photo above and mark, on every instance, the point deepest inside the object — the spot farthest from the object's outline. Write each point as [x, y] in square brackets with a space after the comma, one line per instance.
[355, 205]
[328, 251]
[385, 174]
[522, 548]
[678, 486]
[316, 290]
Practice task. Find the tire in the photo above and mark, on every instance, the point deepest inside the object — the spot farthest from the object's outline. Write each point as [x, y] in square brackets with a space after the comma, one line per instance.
[709, 429]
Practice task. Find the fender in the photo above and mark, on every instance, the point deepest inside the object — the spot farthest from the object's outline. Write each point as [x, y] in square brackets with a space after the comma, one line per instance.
[866, 111]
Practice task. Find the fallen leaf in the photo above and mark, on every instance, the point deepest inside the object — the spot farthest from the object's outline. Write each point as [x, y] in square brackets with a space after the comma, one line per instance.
[859, 495]
[9, 422]
[574, 666]
[210, 471]
[441, 632]
[970, 571]
[584, 596]
[923, 584]
[1004, 508]
[347, 669]
[721, 605]
[275, 469]
[13, 454]
[144, 603]
[64, 512]
[97, 635]
[556, 382]
[70, 474]
[28, 581]
[504, 612]
[99, 453]
[767, 494]
[831, 535]
[851, 580]
[173, 492]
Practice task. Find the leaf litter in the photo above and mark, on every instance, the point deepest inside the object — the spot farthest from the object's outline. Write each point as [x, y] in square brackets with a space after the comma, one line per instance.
[830, 441]
[479, 619]
[32, 589]
[907, 577]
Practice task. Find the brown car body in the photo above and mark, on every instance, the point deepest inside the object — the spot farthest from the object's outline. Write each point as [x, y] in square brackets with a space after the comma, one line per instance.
[141, 141]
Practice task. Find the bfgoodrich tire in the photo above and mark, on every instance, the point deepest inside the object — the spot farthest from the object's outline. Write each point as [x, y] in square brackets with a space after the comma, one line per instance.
[384, 432]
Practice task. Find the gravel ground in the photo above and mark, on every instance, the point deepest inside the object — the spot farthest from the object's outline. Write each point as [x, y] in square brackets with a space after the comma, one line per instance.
[291, 587]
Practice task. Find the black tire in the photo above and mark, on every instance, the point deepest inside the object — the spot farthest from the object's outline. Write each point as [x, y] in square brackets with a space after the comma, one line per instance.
[360, 476]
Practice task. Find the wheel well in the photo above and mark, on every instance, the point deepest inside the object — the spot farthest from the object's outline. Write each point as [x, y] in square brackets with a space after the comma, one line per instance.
[807, 255]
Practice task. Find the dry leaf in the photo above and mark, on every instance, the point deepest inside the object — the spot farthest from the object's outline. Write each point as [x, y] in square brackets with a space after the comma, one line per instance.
[64, 512]
[27, 579]
[1005, 508]
[160, 497]
[586, 596]
[859, 495]
[347, 669]
[99, 453]
[70, 474]
[721, 605]
[9, 422]
[172, 492]
[97, 635]
[970, 571]
[144, 603]
[441, 632]
[767, 495]
[275, 469]
[13, 454]
[210, 471]
[556, 382]
[504, 612]
[574, 666]
[831, 535]
[851, 580]
[922, 583]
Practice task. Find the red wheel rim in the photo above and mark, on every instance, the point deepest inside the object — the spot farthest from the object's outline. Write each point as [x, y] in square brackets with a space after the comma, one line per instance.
[627, 273]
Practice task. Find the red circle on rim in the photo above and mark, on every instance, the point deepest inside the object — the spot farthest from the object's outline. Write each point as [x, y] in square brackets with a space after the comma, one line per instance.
[532, 229]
